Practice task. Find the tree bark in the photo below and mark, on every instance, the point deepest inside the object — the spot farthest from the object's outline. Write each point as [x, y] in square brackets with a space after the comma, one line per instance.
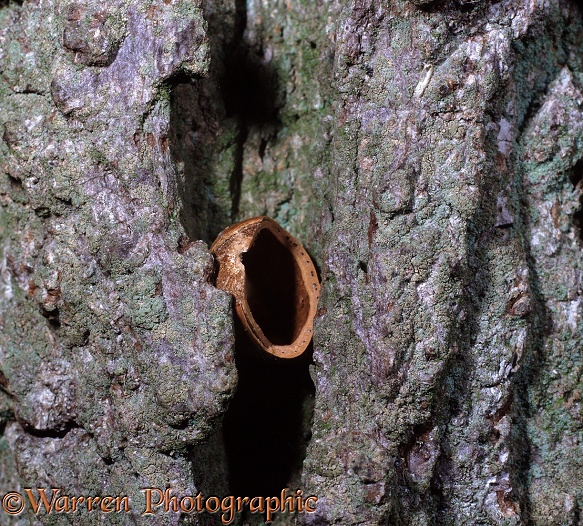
[429, 157]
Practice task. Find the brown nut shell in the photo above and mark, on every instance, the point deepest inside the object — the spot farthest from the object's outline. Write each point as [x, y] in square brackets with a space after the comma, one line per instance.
[273, 281]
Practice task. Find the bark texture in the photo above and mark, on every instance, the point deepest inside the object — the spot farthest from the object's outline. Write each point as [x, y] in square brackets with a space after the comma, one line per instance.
[428, 154]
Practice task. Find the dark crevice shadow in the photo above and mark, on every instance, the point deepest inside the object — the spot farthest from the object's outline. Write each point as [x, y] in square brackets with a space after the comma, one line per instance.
[52, 316]
[261, 446]
[50, 433]
[8, 3]
[249, 89]
[194, 125]
[268, 425]
[212, 118]
[576, 176]
[236, 178]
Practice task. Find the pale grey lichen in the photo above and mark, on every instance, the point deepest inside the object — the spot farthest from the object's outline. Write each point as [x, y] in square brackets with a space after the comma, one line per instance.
[114, 345]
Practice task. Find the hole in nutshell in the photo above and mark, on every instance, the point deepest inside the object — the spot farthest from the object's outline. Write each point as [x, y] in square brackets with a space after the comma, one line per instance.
[267, 427]
[274, 289]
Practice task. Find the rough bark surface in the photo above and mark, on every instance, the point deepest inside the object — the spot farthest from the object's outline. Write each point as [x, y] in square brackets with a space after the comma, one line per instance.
[428, 154]
[117, 354]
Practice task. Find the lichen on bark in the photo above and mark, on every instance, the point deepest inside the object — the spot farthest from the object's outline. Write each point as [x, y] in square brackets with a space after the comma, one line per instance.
[426, 153]
[117, 353]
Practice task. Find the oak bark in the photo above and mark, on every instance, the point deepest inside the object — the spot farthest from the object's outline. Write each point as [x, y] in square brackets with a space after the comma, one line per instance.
[427, 154]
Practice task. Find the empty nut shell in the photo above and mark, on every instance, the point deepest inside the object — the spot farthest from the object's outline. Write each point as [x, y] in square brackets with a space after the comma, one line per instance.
[273, 281]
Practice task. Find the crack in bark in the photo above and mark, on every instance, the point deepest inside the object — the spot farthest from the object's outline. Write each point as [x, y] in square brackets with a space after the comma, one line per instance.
[236, 178]
[50, 433]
